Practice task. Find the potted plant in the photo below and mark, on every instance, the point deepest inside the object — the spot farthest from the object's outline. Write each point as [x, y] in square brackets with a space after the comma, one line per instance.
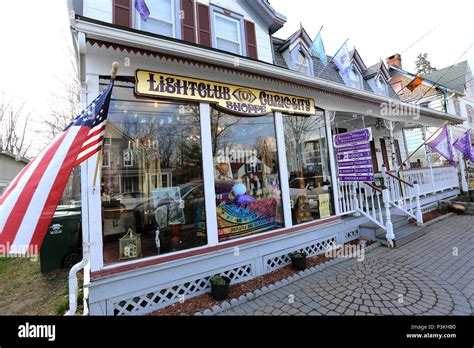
[298, 261]
[220, 287]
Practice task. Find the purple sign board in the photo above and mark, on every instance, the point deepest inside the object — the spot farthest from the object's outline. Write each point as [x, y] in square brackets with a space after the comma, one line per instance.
[367, 170]
[366, 162]
[357, 136]
[354, 155]
[366, 178]
[353, 148]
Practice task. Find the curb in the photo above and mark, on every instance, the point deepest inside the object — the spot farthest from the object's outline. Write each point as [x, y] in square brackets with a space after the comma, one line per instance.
[252, 295]
[439, 218]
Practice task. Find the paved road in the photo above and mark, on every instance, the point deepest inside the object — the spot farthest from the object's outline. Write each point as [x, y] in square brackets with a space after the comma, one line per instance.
[433, 275]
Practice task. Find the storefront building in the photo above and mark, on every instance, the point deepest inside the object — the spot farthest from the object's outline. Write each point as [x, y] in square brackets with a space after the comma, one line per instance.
[217, 158]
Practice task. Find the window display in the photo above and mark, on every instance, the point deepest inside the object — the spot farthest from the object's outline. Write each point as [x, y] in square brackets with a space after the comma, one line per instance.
[152, 181]
[308, 168]
[247, 182]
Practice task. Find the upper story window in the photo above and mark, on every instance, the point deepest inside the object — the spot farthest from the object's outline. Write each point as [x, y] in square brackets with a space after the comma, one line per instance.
[380, 86]
[300, 61]
[228, 33]
[470, 114]
[457, 107]
[162, 19]
[302, 64]
[354, 78]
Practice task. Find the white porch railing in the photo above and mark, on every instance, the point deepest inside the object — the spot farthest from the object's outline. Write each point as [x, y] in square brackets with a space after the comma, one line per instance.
[402, 193]
[443, 178]
[368, 200]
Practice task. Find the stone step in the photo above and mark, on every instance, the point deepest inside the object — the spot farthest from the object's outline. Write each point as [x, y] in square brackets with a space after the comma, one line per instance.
[371, 229]
[403, 235]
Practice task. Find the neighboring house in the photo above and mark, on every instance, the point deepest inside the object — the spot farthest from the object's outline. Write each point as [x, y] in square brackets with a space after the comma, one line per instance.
[202, 82]
[449, 89]
[458, 79]
[10, 166]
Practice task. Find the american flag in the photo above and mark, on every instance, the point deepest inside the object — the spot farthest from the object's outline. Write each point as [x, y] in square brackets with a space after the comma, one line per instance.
[28, 205]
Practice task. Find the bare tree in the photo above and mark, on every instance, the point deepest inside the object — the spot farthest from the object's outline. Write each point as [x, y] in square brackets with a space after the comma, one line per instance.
[66, 105]
[14, 125]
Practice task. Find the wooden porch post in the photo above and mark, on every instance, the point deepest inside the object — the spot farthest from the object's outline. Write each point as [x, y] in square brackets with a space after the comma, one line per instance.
[283, 169]
[208, 173]
[328, 115]
[428, 160]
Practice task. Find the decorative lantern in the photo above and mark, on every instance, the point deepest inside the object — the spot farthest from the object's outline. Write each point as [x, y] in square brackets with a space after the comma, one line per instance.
[130, 245]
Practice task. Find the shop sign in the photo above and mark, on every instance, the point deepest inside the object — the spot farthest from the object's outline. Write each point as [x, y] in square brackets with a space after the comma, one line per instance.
[235, 99]
[324, 206]
[357, 136]
[354, 155]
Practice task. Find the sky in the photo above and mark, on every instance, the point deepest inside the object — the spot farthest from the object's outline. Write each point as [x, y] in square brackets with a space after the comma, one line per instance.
[379, 29]
[34, 54]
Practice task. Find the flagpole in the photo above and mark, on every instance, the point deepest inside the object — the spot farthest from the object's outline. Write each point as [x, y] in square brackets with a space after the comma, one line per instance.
[332, 57]
[424, 143]
[113, 75]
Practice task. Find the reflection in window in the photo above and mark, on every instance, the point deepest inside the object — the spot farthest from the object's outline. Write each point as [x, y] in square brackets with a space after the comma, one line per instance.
[153, 183]
[247, 182]
[308, 168]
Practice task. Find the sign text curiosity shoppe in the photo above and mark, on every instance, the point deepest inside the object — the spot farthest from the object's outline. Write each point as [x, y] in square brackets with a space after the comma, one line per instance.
[236, 99]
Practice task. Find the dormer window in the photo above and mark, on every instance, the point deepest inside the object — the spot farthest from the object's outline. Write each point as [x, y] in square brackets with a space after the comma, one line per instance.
[302, 64]
[380, 86]
[162, 19]
[355, 79]
[300, 61]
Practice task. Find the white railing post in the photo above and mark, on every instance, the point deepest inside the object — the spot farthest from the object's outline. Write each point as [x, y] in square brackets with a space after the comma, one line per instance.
[429, 160]
[355, 199]
[419, 214]
[388, 219]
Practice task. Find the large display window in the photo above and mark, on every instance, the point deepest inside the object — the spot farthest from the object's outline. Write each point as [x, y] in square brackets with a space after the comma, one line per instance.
[247, 181]
[308, 168]
[152, 178]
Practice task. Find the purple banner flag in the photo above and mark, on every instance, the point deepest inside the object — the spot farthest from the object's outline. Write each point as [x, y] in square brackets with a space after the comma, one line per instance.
[442, 145]
[464, 145]
[142, 9]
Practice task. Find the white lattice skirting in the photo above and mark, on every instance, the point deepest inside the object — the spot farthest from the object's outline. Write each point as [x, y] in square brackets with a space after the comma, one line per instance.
[166, 296]
[281, 259]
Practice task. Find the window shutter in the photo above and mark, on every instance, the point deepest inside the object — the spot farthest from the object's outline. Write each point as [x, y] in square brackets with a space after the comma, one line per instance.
[122, 13]
[251, 39]
[204, 25]
[188, 21]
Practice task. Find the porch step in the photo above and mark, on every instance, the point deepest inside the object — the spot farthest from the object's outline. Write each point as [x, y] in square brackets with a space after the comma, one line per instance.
[371, 230]
[403, 235]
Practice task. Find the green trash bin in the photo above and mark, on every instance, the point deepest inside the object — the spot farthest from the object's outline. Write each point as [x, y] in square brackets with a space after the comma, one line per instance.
[62, 243]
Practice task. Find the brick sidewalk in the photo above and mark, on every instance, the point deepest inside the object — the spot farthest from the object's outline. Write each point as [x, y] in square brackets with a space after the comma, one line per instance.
[433, 275]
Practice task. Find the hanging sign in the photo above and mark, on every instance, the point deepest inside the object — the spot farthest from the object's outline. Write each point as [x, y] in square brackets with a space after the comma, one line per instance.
[354, 155]
[235, 99]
